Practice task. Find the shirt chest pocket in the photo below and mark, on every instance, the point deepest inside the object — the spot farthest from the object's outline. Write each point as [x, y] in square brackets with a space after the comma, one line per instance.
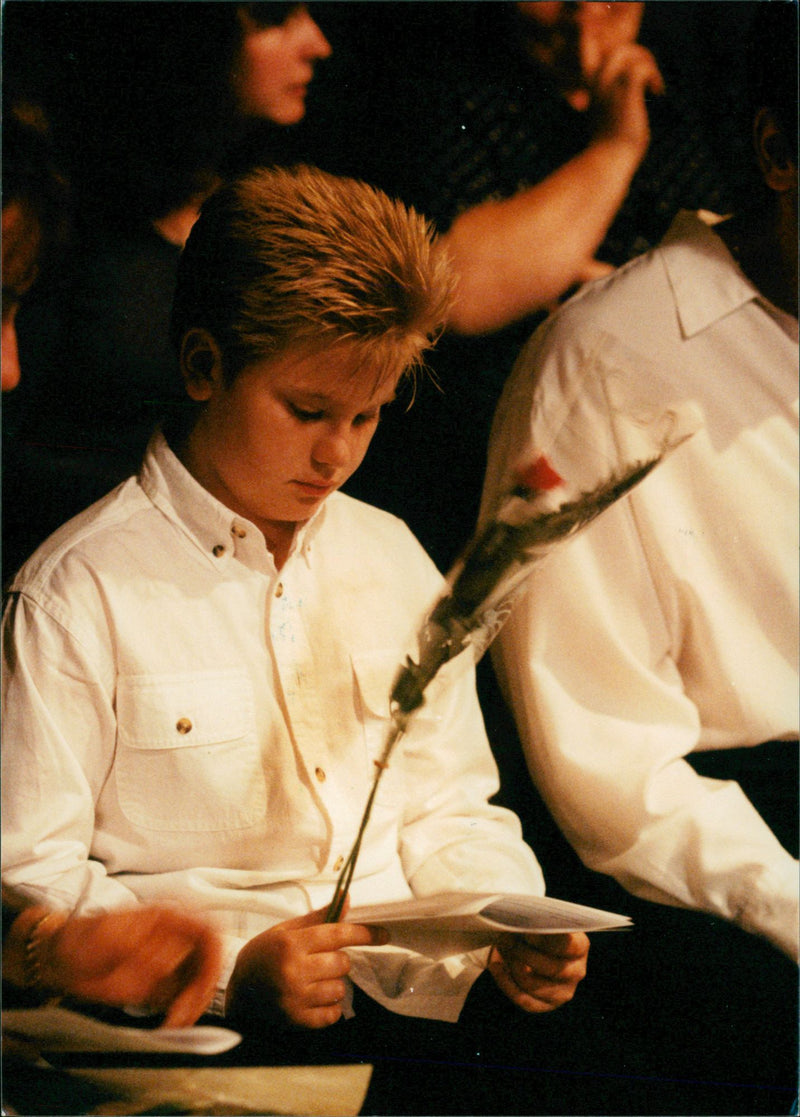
[187, 752]
[375, 673]
[417, 757]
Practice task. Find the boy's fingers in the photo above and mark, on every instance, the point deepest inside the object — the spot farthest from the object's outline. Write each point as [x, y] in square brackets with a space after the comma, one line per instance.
[536, 968]
[335, 936]
[338, 936]
[562, 962]
[373, 936]
[528, 1002]
[316, 1018]
[310, 919]
[573, 945]
[324, 993]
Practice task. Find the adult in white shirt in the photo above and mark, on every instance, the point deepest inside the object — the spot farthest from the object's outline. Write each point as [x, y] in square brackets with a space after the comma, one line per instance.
[197, 668]
[667, 634]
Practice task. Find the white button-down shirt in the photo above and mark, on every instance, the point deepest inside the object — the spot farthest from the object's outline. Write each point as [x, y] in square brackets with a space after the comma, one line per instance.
[184, 723]
[671, 624]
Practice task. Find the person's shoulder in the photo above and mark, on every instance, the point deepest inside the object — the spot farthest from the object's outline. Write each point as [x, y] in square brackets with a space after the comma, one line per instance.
[618, 325]
[632, 308]
[344, 511]
[371, 532]
[78, 545]
[609, 302]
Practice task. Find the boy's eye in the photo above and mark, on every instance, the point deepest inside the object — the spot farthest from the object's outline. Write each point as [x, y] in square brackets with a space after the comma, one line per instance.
[306, 416]
[367, 417]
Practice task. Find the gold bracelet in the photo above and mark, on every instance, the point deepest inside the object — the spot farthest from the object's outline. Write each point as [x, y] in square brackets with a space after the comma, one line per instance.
[33, 948]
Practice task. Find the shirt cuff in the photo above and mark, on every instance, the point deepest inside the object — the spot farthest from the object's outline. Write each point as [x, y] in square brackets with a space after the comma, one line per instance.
[772, 908]
[230, 952]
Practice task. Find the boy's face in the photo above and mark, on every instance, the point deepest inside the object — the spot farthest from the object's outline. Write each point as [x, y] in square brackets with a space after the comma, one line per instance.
[285, 434]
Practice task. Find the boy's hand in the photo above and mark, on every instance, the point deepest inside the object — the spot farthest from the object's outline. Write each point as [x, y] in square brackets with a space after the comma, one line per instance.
[297, 969]
[539, 972]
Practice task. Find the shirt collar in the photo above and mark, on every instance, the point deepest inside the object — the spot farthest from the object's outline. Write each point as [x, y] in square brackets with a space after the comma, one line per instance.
[707, 283]
[205, 521]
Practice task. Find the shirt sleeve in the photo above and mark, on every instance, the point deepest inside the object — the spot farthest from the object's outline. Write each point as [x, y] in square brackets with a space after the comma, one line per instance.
[231, 946]
[594, 661]
[453, 838]
[606, 727]
[58, 741]
[59, 732]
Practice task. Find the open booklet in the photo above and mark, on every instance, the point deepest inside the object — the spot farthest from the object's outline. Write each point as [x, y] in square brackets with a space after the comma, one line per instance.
[456, 922]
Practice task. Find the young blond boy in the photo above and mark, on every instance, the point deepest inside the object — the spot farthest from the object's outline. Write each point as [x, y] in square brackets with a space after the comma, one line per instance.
[197, 668]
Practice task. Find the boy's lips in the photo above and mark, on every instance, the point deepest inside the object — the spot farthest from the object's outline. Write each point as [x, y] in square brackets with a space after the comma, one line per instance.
[314, 488]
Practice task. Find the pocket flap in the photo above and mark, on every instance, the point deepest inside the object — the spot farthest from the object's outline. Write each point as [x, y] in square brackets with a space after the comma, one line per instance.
[183, 710]
[375, 673]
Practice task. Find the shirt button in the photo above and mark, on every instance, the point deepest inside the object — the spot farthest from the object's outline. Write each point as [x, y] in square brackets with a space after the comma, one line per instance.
[320, 774]
[338, 864]
[183, 725]
[239, 532]
[218, 550]
[279, 589]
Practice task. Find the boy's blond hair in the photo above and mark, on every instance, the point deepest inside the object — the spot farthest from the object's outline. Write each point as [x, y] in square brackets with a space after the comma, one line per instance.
[286, 258]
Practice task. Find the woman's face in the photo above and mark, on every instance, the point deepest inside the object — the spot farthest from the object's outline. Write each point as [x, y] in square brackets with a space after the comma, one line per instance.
[276, 65]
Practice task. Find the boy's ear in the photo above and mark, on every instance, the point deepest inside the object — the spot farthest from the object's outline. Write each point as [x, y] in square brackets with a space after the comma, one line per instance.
[775, 159]
[201, 364]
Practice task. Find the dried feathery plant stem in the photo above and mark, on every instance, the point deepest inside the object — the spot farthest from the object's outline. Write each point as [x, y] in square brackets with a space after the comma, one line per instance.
[486, 577]
[501, 545]
[336, 906]
[484, 582]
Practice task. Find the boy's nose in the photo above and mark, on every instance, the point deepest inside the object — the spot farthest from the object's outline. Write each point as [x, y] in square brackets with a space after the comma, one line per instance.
[332, 450]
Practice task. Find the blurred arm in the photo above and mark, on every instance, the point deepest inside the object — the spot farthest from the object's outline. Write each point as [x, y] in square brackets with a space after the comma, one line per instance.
[515, 256]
